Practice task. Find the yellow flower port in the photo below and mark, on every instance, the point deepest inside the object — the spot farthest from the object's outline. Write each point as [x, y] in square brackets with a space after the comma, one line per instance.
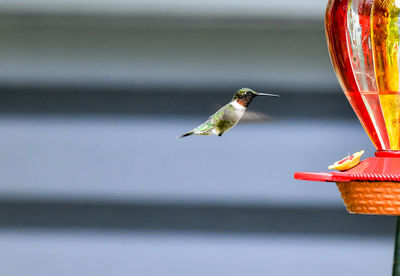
[348, 162]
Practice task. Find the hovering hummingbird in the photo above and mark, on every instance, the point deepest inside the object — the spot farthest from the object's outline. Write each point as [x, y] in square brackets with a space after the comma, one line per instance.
[228, 115]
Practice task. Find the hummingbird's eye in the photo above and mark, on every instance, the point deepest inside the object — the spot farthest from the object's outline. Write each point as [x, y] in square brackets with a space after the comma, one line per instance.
[248, 93]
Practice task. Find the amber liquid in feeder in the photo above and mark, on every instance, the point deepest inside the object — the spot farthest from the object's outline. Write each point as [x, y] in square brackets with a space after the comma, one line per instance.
[382, 104]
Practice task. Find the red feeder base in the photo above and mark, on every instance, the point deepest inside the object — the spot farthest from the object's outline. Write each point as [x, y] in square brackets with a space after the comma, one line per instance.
[371, 187]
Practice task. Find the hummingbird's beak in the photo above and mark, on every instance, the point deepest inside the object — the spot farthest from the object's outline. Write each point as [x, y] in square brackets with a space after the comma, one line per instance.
[265, 94]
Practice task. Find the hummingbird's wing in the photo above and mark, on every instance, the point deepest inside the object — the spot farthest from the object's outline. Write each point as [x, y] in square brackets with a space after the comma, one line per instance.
[251, 117]
[255, 117]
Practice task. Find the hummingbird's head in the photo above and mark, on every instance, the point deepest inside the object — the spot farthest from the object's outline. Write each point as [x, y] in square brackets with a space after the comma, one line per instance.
[244, 96]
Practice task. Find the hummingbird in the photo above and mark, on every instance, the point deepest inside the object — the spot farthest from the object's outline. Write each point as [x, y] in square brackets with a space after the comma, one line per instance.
[228, 115]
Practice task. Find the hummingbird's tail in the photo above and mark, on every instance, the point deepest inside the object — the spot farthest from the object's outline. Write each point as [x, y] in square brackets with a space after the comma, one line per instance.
[186, 134]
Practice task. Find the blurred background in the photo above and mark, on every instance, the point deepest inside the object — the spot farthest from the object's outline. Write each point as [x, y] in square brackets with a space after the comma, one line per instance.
[93, 95]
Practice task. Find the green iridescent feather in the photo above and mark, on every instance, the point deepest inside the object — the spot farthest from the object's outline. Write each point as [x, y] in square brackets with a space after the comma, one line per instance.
[222, 120]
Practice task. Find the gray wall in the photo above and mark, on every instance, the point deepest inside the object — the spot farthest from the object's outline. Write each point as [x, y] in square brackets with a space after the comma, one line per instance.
[94, 181]
[129, 44]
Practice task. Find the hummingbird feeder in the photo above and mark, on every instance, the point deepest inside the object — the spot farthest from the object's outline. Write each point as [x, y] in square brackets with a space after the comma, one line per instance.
[363, 39]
